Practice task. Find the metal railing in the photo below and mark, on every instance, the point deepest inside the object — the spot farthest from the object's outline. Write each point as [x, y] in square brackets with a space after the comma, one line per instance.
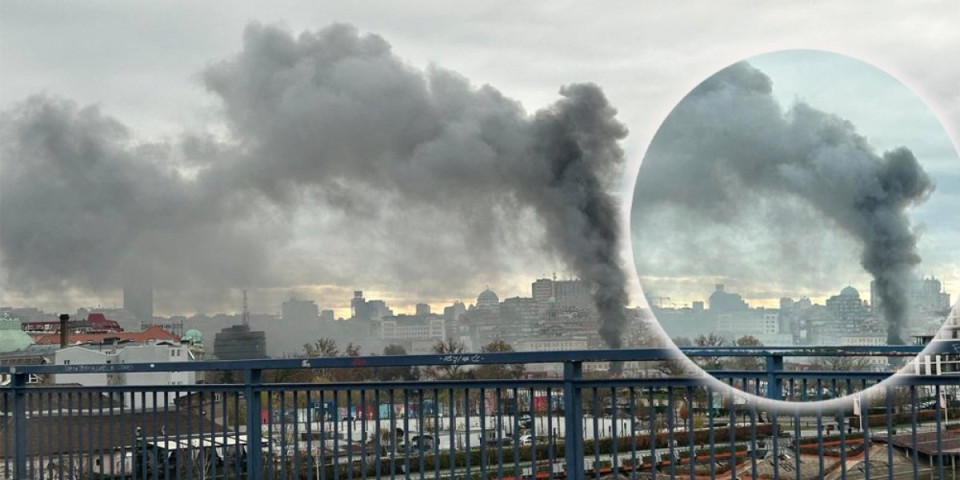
[337, 418]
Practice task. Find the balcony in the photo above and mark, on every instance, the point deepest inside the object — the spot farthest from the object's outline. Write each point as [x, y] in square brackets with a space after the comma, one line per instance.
[260, 422]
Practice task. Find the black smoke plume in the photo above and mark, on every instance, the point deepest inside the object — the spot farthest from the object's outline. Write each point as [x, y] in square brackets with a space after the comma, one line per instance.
[436, 180]
[728, 150]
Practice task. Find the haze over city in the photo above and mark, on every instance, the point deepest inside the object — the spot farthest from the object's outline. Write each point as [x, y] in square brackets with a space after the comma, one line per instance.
[324, 240]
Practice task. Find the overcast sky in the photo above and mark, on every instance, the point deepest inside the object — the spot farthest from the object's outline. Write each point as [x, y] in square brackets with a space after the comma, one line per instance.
[143, 64]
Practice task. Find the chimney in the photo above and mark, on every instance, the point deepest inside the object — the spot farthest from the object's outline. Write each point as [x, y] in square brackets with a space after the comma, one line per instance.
[64, 333]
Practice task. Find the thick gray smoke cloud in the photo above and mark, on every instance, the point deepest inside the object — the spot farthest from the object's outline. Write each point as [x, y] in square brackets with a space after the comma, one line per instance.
[728, 150]
[83, 207]
[332, 124]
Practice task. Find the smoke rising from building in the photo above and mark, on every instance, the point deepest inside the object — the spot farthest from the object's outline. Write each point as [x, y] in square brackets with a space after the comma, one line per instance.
[329, 124]
[728, 152]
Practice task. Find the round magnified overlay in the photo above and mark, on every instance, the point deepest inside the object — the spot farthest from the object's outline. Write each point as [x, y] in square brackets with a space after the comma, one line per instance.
[803, 201]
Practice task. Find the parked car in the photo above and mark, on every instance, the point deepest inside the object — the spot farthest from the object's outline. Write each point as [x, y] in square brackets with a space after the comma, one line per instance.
[417, 444]
[503, 442]
[527, 440]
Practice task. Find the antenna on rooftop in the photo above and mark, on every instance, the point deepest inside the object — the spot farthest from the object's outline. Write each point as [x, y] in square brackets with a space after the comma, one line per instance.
[246, 311]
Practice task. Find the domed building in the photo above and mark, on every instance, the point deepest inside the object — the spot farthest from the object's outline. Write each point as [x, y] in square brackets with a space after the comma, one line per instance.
[850, 292]
[12, 337]
[487, 299]
[848, 309]
[193, 338]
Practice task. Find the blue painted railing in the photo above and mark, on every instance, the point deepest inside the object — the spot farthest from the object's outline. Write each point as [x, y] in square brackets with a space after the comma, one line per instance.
[257, 419]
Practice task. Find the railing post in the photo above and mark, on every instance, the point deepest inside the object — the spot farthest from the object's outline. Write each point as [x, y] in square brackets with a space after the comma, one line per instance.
[573, 419]
[251, 395]
[774, 366]
[18, 384]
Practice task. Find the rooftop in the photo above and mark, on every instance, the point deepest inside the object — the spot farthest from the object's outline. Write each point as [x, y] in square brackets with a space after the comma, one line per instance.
[154, 333]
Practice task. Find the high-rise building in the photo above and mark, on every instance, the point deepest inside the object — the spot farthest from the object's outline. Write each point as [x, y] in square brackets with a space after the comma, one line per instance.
[423, 309]
[378, 310]
[848, 310]
[722, 301]
[358, 306]
[416, 333]
[572, 294]
[926, 296]
[522, 314]
[303, 312]
[138, 300]
[542, 291]
[453, 312]
[239, 342]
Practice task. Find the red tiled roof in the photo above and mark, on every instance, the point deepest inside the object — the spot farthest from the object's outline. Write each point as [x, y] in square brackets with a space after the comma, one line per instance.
[97, 318]
[153, 333]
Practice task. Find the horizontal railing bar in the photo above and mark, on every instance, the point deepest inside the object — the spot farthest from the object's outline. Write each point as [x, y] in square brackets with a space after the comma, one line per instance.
[498, 358]
[414, 385]
[800, 374]
[820, 350]
[659, 382]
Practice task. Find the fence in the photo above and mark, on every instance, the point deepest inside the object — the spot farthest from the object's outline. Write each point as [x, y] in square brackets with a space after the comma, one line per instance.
[574, 426]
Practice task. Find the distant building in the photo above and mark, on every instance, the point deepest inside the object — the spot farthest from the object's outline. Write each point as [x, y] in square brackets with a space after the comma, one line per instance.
[239, 342]
[750, 322]
[365, 311]
[522, 314]
[416, 333]
[542, 293]
[552, 344]
[572, 294]
[849, 311]
[300, 312]
[487, 299]
[926, 296]
[17, 348]
[358, 306]
[146, 353]
[722, 301]
[12, 337]
[93, 323]
[453, 312]
[151, 334]
[138, 300]
[126, 320]
[378, 310]
[193, 340]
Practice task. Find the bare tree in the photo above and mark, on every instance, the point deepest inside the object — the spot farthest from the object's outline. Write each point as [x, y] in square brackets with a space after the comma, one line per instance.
[498, 371]
[672, 368]
[839, 364]
[707, 341]
[324, 348]
[452, 371]
[747, 363]
[711, 340]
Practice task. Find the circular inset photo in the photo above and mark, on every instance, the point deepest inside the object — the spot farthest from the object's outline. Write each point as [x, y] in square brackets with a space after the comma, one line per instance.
[796, 200]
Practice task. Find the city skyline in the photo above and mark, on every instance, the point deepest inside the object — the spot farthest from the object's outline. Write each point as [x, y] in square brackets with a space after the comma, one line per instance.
[643, 65]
